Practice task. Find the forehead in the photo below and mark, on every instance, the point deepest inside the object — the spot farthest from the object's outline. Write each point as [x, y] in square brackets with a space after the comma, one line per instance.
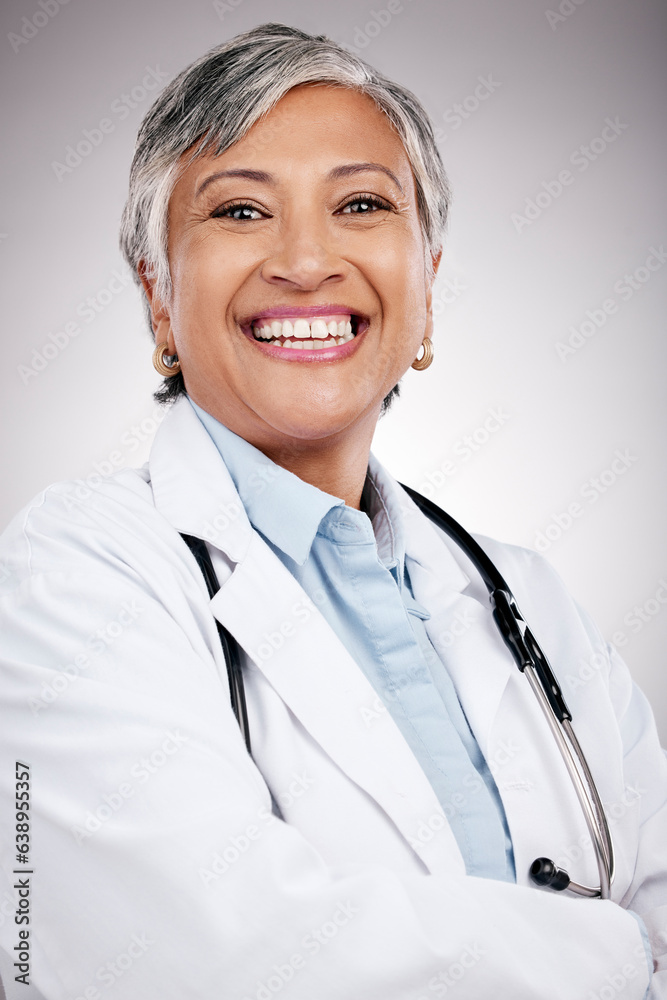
[327, 109]
[315, 125]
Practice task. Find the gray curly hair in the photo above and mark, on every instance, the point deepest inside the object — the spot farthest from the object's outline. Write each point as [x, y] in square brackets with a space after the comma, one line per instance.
[215, 101]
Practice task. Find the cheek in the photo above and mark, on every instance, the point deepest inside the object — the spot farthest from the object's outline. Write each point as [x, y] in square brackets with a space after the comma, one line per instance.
[203, 287]
[399, 264]
[403, 294]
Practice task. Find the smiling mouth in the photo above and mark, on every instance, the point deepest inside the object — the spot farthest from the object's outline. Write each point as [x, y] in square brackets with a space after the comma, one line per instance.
[298, 333]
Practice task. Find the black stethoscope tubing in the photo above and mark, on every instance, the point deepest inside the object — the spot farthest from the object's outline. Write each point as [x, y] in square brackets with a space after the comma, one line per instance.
[530, 660]
[230, 646]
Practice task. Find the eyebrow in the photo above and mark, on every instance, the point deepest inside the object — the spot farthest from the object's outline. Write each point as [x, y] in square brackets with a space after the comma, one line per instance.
[345, 170]
[251, 175]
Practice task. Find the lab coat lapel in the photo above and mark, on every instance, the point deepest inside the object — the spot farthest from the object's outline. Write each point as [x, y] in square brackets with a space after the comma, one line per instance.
[461, 627]
[305, 662]
[542, 811]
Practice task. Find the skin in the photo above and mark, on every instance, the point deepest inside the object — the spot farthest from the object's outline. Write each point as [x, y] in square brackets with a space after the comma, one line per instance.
[303, 241]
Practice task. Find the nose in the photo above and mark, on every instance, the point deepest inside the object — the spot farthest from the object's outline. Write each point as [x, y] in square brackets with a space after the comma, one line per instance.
[303, 257]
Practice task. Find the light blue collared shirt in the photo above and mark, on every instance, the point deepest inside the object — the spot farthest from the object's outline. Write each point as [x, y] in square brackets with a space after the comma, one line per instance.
[355, 564]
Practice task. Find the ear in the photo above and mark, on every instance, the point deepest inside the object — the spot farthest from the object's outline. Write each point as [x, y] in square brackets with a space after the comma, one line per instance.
[160, 319]
[435, 260]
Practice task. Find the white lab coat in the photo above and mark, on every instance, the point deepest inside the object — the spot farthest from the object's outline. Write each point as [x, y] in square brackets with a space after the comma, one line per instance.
[160, 870]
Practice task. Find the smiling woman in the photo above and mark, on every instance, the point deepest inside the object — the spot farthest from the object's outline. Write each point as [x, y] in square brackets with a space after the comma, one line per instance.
[369, 827]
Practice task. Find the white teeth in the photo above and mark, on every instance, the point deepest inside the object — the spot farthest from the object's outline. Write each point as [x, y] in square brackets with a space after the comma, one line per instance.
[319, 329]
[304, 334]
[301, 329]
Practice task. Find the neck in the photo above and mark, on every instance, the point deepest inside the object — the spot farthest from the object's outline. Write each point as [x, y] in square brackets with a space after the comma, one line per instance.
[335, 463]
[336, 467]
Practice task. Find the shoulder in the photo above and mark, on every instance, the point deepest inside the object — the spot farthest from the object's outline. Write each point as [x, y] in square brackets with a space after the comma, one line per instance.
[72, 525]
[527, 572]
[128, 524]
[543, 597]
[587, 666]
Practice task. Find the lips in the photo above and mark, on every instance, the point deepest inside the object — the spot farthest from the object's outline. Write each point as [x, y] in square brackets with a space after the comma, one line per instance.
[306, 312]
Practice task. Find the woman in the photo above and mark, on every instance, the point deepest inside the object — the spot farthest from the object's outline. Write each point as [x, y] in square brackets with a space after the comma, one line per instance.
[285, 219]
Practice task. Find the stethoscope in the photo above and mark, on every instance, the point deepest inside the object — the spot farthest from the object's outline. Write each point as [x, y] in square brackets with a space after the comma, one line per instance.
[530, 660]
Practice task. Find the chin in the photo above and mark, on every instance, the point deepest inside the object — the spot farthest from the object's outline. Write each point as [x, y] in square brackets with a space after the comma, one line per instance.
[313, 423]
[310, 428]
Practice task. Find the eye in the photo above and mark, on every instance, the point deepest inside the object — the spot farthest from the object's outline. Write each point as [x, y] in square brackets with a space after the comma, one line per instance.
[242, 211]
[364, 204]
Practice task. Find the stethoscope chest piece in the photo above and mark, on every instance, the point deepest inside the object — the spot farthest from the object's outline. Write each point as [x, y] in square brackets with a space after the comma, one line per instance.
[545, 873]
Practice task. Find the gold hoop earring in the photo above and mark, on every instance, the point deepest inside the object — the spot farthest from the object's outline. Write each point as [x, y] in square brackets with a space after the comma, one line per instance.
[160, 365]
[420, 364]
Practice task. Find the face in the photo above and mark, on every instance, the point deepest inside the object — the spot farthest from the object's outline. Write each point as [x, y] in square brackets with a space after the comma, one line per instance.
[300, 295]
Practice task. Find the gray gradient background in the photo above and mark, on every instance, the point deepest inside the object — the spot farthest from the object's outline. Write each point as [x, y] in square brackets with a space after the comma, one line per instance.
[515, 294]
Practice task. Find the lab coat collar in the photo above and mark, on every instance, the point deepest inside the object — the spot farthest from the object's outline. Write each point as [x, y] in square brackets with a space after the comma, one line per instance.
[192, 487]
[429, 554]
[267, 491]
